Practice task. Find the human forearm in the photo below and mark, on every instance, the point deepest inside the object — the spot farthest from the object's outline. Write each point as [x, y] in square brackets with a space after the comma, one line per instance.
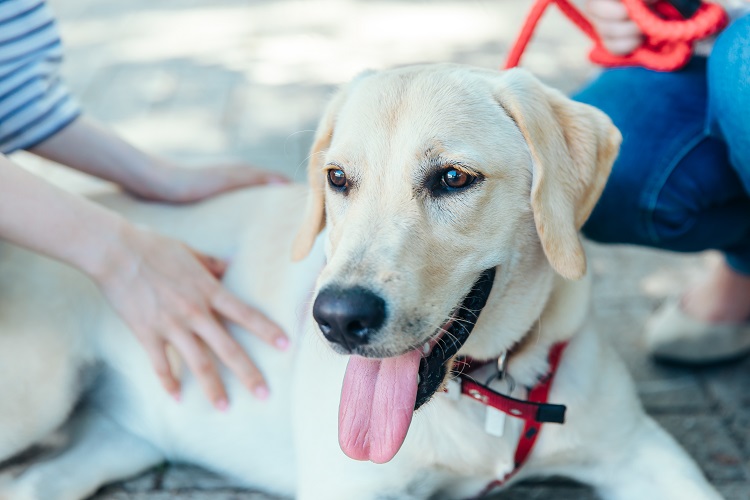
[89, 147]
[86, 146]
[47, 220]
[617, 30]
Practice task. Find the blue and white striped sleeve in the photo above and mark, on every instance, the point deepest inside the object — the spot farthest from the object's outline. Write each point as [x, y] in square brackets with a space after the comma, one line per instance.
[34, 102]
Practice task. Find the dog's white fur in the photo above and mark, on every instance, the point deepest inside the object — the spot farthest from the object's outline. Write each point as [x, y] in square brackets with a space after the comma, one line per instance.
[544, 160]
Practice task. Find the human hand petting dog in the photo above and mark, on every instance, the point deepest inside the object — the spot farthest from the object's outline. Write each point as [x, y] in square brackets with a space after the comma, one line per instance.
[167, 293]
[619, 33]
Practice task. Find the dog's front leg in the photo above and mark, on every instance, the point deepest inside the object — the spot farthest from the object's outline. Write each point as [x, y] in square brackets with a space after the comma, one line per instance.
[100, 452]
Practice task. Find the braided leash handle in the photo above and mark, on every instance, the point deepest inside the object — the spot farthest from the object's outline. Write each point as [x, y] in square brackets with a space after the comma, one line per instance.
[669, 38]
[666, 23]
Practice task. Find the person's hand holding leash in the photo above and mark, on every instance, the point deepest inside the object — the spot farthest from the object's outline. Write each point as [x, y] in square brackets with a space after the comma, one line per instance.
[653, 34]
[619, 33]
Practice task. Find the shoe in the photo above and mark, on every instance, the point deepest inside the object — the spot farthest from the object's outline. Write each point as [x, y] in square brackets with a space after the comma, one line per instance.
[674, 337]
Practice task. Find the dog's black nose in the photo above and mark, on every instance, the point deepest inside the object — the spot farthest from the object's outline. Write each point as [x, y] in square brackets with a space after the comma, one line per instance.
[349, 317]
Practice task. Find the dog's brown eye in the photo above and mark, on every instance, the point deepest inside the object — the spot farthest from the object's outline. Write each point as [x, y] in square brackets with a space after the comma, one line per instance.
[456, 179]
[337, 178]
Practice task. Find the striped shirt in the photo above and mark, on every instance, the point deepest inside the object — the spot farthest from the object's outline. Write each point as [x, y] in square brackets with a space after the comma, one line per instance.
[34, 102]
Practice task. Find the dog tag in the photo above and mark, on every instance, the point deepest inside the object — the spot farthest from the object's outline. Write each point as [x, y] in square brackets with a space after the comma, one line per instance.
[494, 422]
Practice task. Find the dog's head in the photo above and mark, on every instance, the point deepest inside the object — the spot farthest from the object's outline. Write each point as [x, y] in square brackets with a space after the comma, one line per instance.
[434, 183]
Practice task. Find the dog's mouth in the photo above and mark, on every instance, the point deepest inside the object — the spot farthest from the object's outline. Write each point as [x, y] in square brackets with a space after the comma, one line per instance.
[379, 396]
[451, 337]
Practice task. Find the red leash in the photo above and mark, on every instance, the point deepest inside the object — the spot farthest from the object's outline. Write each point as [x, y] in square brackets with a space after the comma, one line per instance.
[669, 38]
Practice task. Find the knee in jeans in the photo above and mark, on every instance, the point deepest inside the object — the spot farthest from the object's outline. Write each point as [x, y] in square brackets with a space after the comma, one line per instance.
[730, 56]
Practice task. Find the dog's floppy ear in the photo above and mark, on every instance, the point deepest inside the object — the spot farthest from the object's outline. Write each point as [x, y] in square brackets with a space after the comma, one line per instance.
[315, 219]
[572, 147]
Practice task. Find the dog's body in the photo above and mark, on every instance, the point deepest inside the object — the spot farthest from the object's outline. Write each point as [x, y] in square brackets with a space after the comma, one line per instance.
[59, 340]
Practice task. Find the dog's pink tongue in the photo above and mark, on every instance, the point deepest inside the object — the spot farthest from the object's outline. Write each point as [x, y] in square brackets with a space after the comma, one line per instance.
[377, 403]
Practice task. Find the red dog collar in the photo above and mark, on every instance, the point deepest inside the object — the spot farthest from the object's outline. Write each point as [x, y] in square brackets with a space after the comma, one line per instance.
[535, 411]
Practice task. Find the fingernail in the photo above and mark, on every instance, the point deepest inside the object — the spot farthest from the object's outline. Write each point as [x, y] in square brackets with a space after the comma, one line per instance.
[222, 405]
[261, 392]
[176, 396]
[282, 343]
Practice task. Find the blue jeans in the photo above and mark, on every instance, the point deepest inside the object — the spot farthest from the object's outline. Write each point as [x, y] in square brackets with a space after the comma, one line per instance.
[682, 180]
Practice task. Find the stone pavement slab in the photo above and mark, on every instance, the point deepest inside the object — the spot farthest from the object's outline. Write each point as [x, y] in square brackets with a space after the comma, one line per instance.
[201, 80]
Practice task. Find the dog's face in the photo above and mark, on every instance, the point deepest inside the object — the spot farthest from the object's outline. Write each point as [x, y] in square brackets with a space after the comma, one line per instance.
[436, 182]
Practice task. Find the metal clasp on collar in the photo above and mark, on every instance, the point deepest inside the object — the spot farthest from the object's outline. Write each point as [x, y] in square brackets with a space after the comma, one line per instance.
[502, 374]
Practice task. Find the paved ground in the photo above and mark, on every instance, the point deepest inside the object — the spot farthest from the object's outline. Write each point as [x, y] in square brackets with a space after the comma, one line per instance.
[200, 80]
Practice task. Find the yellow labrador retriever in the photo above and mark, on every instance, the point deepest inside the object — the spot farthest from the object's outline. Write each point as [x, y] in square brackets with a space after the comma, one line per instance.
[449, 201]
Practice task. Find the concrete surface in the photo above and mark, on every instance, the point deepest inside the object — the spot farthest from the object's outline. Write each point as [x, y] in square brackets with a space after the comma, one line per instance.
[200, 80]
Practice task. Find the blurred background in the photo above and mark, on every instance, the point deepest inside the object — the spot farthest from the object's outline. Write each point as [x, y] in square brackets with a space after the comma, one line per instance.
[202, 80]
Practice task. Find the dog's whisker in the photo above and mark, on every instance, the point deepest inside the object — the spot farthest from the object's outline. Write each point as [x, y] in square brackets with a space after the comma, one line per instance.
[286, 143]
[306, 159]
